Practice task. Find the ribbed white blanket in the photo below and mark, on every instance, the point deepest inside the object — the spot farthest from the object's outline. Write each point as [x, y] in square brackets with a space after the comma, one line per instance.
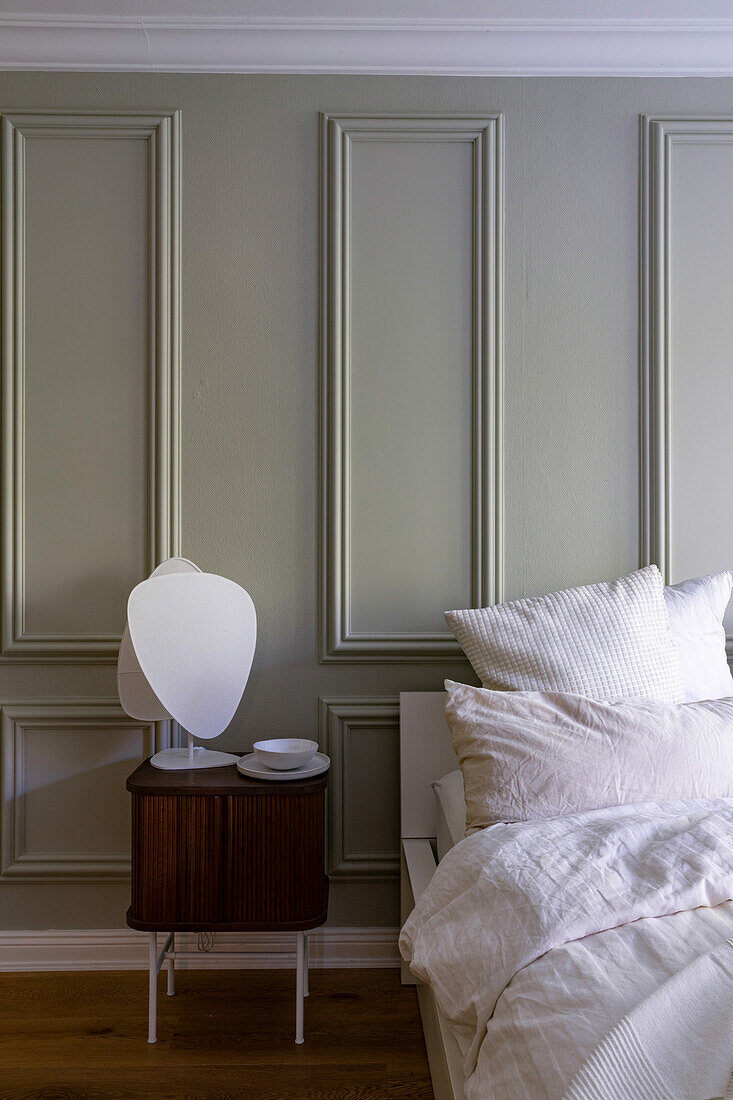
[676, 1045]
[507, 896]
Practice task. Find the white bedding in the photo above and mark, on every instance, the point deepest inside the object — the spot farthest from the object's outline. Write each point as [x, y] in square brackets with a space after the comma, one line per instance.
[539, 937]
[644, 1056]
[533, 755]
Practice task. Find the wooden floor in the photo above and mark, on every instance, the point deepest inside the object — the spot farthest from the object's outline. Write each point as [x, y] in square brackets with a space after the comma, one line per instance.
[225, 1034]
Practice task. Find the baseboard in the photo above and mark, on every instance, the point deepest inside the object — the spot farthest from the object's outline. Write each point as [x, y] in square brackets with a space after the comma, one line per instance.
[125, 949]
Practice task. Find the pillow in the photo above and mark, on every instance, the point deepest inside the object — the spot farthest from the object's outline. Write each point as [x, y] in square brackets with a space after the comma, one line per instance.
[695, 609]
[607, 641]
[450, 810]
[533, 755]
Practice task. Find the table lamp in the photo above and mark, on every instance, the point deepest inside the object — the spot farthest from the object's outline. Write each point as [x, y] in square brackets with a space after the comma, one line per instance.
[186, 654]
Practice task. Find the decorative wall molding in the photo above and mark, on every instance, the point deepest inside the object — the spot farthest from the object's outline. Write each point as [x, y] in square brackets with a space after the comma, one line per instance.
[485, 134]
[337, 719]
[470, 47]
[101, 715]
[124, 949]
[658, 135]
[654, 378]
[162, 132]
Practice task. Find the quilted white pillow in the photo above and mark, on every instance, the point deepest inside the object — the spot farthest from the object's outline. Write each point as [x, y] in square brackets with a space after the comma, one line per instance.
[696, 608]
[531, 755]
[608, 641]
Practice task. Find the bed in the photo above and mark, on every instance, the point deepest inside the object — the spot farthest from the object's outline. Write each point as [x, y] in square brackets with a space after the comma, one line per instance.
[426, 754]
[578, 1005]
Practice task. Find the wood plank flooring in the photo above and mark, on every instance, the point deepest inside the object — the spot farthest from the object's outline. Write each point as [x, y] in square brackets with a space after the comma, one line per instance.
[225, 1034]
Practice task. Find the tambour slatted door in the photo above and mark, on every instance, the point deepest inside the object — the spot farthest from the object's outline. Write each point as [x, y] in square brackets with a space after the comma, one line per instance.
[215, 850]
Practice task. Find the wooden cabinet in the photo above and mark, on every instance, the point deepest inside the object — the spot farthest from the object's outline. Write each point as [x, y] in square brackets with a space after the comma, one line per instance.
[215, 851]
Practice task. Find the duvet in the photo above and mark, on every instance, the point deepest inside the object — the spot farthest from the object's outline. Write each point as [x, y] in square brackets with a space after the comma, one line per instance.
[540, 938]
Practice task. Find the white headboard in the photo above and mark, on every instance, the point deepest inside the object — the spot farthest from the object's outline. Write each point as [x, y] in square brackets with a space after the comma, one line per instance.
[426, 754]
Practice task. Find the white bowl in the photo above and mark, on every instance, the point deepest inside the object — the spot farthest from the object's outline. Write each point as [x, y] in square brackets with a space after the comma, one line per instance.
[285, 753]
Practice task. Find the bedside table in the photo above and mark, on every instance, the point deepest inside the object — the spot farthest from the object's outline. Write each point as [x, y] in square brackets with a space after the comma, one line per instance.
[215, 851]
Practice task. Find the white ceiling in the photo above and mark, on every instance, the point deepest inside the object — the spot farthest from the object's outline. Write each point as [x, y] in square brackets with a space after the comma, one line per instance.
[467, 37]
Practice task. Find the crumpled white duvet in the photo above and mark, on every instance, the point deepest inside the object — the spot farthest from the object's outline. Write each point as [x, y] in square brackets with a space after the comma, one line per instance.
[514, 894]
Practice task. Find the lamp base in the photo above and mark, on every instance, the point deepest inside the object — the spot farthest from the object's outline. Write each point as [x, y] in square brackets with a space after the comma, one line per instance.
[174, 760]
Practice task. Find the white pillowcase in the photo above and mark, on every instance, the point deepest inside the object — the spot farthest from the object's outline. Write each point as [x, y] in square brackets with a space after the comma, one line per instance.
[696, 609]
[536, 755]
[607, 641]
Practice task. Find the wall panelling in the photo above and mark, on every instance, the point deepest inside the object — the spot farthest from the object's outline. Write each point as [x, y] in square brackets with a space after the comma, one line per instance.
[687, 336]
[90, 350]
[65, 809]
[411, 286]
[361, 736]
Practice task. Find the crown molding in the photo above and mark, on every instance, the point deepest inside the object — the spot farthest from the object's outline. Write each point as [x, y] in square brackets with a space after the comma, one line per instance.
[467, 47]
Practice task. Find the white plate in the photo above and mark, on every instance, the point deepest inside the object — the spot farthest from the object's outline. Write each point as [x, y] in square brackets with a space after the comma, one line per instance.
[250, 765]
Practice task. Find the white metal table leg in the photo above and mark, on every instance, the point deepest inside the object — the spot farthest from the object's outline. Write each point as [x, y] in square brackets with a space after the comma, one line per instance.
[299, 971]
[171, 963]
[153, 987]
[305, 964]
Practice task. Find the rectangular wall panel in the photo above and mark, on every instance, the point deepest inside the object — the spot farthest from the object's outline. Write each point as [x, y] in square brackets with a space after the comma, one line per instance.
[688, 336]
[90, 361]
[411, 383]
[65, 813]
[361, 736]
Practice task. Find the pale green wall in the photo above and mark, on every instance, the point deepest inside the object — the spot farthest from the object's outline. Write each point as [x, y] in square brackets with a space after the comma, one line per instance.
[250, 377]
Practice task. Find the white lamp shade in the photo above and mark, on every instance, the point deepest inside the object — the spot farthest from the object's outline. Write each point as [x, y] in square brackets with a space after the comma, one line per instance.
[174, 565]
[193, 639]
[136, 695]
